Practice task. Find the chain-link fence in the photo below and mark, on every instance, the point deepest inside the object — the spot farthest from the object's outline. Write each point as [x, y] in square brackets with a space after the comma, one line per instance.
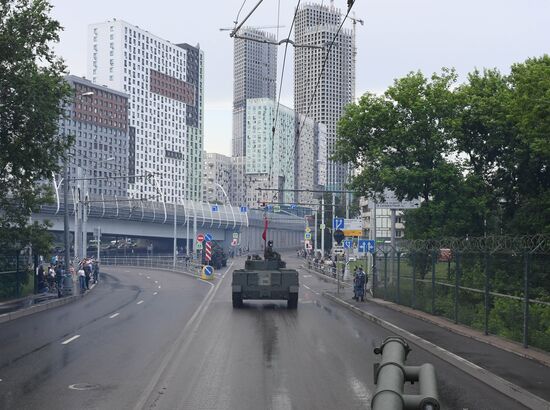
[500, 285]
[182, 264]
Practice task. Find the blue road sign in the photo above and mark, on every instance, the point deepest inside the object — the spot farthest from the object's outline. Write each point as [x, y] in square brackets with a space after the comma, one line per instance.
[215, 208]
[366, 245]
[270, 207]
[208, 270]
[208, 237]
[244, 209]
[307, 236]
[338, 223]
[293, 206]
[348, 244]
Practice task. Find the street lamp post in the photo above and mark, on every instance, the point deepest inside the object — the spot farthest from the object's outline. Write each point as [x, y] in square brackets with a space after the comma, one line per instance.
[66, 197]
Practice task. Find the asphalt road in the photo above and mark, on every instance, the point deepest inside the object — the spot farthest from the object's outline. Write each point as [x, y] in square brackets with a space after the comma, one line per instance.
[187, 348]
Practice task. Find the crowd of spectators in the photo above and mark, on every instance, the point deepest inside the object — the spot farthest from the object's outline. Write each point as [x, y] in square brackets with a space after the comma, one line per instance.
[55, 278]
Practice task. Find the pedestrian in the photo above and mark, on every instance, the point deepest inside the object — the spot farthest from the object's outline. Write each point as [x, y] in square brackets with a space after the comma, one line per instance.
[87, 273]
[96, 271]
[82, 279]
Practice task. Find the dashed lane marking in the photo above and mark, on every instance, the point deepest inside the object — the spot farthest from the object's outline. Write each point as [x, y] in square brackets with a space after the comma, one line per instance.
[159, 286]
[70, 339]
[155, 293]
[113, 316]
[311, 290]
[140, 302]
[148, 277]
[156, 281]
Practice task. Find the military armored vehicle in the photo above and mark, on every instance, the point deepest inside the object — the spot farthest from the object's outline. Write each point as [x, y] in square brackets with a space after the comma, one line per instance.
[265, 279]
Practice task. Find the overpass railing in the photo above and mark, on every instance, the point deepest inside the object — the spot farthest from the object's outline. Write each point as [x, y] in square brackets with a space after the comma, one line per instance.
[206, 215]
[183, 264]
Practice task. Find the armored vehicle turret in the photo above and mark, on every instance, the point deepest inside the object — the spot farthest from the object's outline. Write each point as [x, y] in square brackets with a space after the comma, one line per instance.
[265, 279]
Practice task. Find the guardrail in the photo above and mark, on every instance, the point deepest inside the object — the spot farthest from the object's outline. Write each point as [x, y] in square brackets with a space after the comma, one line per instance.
[182, 265]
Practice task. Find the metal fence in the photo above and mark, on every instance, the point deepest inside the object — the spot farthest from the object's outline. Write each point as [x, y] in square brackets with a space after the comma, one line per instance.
[16, 279]
[183, 265]
[500, 285]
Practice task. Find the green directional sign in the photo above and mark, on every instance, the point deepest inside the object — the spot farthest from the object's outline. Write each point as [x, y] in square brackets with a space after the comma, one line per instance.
[276, 208]
[322, 226]
[199, 246]
[235, 235]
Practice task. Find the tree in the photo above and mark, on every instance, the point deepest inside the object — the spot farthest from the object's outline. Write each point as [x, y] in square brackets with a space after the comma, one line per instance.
[404, 141]
[32, 93]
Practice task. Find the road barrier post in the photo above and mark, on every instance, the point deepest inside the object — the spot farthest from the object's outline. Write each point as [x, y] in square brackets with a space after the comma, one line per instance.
[526, 300]
[457, 284]
[398, 296]
[434, 262]
[385, 275]
[486, 289]
[413, 299]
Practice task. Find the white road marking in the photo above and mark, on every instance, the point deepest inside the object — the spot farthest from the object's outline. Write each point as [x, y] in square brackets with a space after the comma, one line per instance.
[182, 341]
[140, 302]
[148, 277]
[306, 276]
[70, 339]
[361, 391]
[311, 290]
[156, 281]
[155, 293]
[159, 286]
[113, 316]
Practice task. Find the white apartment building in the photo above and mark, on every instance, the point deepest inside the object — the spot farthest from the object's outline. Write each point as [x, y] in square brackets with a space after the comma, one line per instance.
[237, 193]
[216, 177]
[383, 221]
[270, 157]
[317, 25]
[165, 84]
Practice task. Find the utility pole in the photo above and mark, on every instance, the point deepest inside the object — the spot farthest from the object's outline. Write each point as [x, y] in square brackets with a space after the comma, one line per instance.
[187, 231]
[315, 232]
[175, 234]
[66, 212]
[323, 226]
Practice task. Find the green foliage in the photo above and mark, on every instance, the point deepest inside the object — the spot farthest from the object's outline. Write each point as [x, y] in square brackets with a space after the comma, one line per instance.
[477, 154]
[32, 92]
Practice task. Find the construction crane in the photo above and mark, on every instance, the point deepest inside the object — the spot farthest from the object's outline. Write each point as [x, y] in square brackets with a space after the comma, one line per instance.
[354, 53]
[258, 28]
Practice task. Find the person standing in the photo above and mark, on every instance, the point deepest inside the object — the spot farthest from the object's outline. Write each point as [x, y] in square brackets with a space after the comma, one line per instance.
[82, 279]
[96, 271]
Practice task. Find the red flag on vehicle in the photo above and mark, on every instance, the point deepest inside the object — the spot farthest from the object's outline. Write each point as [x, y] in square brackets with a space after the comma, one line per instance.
[264, 234]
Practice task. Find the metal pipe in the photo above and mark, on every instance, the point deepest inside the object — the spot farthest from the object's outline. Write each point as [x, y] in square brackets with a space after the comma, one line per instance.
[66, 237]
[392, 373]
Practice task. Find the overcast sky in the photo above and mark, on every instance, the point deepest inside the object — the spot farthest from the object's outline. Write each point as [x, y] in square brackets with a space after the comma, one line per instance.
[399, 36]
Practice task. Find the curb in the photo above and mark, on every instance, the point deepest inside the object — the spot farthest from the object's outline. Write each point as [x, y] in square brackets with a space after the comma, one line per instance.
[503, 386]
[6, 317]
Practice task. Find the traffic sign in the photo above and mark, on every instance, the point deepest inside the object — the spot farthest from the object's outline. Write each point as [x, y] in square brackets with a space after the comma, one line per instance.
[365, 245]
[293, 206]
[208, 237]
[199, 246]
[322, 226]
[338, 223]
[235, 235]
[308, 229]
[339, 236]
[277, 208]
[348, 244]
[244, 209]
[207, 272]
[208, 251]
[234, 242]
[215, 208]
[200, 237]
[307, 236]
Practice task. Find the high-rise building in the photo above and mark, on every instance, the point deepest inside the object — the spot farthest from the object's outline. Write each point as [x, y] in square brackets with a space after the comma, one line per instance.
[216, 177]
[317, 25]
[270, 156]
[97, 118]
[310, 159]
[164, 82]
[254, 76]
